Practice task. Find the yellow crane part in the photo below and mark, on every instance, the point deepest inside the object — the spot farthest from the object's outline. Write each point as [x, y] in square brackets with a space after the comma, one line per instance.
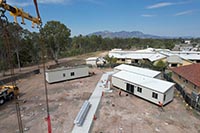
[17, 12]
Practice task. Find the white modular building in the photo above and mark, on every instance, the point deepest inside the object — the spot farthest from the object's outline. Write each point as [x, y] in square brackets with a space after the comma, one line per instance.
[91, 61]
[138, 70]
[63, 73]
[154, 90]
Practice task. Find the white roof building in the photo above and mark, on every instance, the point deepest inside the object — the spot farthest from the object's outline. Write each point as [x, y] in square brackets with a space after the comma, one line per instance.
[151, 89]
[138, 70]
[91, 61]
[148, 82]
[187, 55]
[154, 54]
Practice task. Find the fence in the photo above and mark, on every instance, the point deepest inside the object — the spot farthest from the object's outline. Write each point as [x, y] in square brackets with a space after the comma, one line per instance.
[20, 76]
[193, 101]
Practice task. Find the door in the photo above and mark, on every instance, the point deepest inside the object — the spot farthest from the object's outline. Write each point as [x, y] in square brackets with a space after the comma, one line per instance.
[130, 88]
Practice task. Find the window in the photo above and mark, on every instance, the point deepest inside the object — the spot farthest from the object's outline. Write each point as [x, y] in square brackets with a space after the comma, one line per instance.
[123, 59]
[173, 65]
[186, 81]
[63, 74]
[179, 76]
[155, 95]
[139, 89]
[72, 74]
[195, 87]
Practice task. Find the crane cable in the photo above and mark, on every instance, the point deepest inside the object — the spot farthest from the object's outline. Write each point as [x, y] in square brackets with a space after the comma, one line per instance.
[37, 10]
[48, 119]
[4, 25]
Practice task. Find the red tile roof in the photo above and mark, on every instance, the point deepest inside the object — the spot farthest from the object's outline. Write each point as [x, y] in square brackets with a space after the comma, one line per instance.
[189, 72]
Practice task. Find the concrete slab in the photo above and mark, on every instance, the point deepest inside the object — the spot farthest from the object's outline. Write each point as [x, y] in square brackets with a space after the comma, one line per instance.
[94, 101]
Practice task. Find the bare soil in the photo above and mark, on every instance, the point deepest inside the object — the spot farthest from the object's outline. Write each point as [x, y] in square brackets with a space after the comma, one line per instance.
[116, 114]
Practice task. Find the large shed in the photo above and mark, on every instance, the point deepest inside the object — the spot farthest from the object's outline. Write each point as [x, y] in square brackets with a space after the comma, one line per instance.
[64, 73]
[138, 70]
[154, 90]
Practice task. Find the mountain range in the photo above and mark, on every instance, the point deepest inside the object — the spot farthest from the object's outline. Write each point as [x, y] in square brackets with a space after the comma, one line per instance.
[127, 34]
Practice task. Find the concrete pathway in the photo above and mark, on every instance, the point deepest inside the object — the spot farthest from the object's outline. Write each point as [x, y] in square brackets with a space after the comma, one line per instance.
[102, 85]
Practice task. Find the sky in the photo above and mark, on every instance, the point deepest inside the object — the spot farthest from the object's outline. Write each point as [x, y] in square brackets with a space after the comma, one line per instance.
[157, 17]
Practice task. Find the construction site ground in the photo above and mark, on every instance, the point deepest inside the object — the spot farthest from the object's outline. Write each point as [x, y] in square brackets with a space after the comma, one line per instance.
[116, 114]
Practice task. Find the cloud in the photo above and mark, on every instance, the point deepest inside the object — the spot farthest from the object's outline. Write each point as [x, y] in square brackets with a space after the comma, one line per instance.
[159, 5]
[94, 2]
[19, 4]
[184, 13]
[53, 1]
[164, 4]
[24, 3]
[148, 15]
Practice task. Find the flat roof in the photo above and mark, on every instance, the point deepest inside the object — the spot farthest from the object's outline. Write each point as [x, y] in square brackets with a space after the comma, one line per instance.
[91, 58]
[66, 68]
[152, 56]
[138, 70]
[151, 83]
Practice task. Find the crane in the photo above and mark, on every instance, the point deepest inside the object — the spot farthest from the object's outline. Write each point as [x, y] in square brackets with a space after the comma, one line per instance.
[18, 12]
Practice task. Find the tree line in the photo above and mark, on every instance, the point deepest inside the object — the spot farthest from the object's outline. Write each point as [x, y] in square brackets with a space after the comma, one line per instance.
[54, 40]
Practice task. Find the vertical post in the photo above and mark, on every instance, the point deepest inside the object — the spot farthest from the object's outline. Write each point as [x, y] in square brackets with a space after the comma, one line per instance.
[45, 85]
[19, 116]
[4, 24]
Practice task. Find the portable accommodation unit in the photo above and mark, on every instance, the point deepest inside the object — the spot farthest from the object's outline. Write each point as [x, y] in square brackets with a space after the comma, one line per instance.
[91, 61]
[62, 74]
[138, 70]
[151, 89]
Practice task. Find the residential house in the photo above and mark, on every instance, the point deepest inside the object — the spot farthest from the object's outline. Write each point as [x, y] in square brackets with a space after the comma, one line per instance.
[188, 77]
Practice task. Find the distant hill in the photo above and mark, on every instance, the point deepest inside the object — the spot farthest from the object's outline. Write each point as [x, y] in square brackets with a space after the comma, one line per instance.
[124, 34]
[132, 34]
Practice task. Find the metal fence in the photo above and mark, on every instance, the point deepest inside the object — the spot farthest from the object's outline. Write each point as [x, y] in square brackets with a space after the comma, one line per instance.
[20, 76]
[193, 101]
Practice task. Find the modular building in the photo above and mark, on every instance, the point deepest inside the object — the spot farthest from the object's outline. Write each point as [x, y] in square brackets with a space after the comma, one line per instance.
[62, 74]
[138, 70]
[92, 61]
[154, 90]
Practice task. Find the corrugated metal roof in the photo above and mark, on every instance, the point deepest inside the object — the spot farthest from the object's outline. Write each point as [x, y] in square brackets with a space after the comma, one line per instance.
[189, 55]
[156, 57]
[174, 59]
[151, 83]
[91, 58]
[189, 72]
[138, 70]
[66, 68]
[152, 56]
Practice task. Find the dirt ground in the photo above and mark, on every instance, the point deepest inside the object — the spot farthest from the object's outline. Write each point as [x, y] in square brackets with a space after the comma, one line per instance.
[65, 101]
[116, 114]
[131, 114]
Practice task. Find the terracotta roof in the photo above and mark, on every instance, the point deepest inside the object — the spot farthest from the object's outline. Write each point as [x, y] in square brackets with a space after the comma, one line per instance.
[189, 72]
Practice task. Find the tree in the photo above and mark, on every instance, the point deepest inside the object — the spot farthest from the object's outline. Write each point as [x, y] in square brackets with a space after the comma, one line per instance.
[111, 60]
[160, 65]
[56, 36]
[16, 33]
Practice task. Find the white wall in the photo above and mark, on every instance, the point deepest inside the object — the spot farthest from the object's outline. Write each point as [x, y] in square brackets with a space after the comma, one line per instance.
[91, 62]
[146, 92]
[169, 95]
[159, 76]
[65, 74]
[119, 83]
[128, 61]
